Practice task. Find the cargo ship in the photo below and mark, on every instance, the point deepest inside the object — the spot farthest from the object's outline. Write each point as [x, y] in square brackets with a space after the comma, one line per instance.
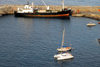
[30, 11]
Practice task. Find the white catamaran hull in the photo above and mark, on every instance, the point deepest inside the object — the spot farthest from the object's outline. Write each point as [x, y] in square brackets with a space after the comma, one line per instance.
[63, 56]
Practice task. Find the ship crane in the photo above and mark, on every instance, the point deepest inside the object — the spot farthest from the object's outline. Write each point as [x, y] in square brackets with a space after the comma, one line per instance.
[46, 5]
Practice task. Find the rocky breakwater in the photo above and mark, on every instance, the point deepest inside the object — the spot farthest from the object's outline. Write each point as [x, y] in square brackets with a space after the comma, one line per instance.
[87, 11]
[6, 9]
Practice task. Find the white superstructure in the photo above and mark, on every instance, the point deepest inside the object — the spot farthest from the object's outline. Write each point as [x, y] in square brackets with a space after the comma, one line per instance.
[26, 9]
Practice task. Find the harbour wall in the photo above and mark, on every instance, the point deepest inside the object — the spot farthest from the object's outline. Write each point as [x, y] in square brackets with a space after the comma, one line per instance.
[78, 11]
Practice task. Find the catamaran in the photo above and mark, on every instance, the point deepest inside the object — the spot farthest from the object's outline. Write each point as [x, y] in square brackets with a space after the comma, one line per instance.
[63, 56]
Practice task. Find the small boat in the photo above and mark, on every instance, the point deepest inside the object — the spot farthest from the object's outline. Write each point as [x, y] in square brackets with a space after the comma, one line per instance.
[63, 48]
[91, 24]
[98, 22]
[63, 56]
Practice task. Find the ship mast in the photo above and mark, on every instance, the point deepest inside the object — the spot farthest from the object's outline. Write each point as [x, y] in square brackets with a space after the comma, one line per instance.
[62, 4]
[32, 4]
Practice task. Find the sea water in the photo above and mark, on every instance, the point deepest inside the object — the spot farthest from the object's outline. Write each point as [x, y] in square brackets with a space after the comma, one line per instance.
[32, 42]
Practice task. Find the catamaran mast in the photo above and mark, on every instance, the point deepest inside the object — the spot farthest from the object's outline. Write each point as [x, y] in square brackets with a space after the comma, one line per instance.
[62, 4]
[63, 38]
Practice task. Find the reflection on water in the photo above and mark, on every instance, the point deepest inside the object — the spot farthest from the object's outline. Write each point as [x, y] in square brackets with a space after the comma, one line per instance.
[26, 25]
[63, 63]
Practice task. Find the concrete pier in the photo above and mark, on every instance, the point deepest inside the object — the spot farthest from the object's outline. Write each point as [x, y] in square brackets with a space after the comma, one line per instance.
[78, 11]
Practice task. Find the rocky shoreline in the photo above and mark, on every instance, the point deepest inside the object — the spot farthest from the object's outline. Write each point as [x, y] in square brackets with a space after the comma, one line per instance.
[78, 11]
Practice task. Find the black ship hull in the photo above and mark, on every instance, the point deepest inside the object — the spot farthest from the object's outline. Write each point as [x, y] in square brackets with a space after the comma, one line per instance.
[60, 14]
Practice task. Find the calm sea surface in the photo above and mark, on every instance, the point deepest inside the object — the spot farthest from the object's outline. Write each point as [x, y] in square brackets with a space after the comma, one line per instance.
[32, 42]
[54, 2]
